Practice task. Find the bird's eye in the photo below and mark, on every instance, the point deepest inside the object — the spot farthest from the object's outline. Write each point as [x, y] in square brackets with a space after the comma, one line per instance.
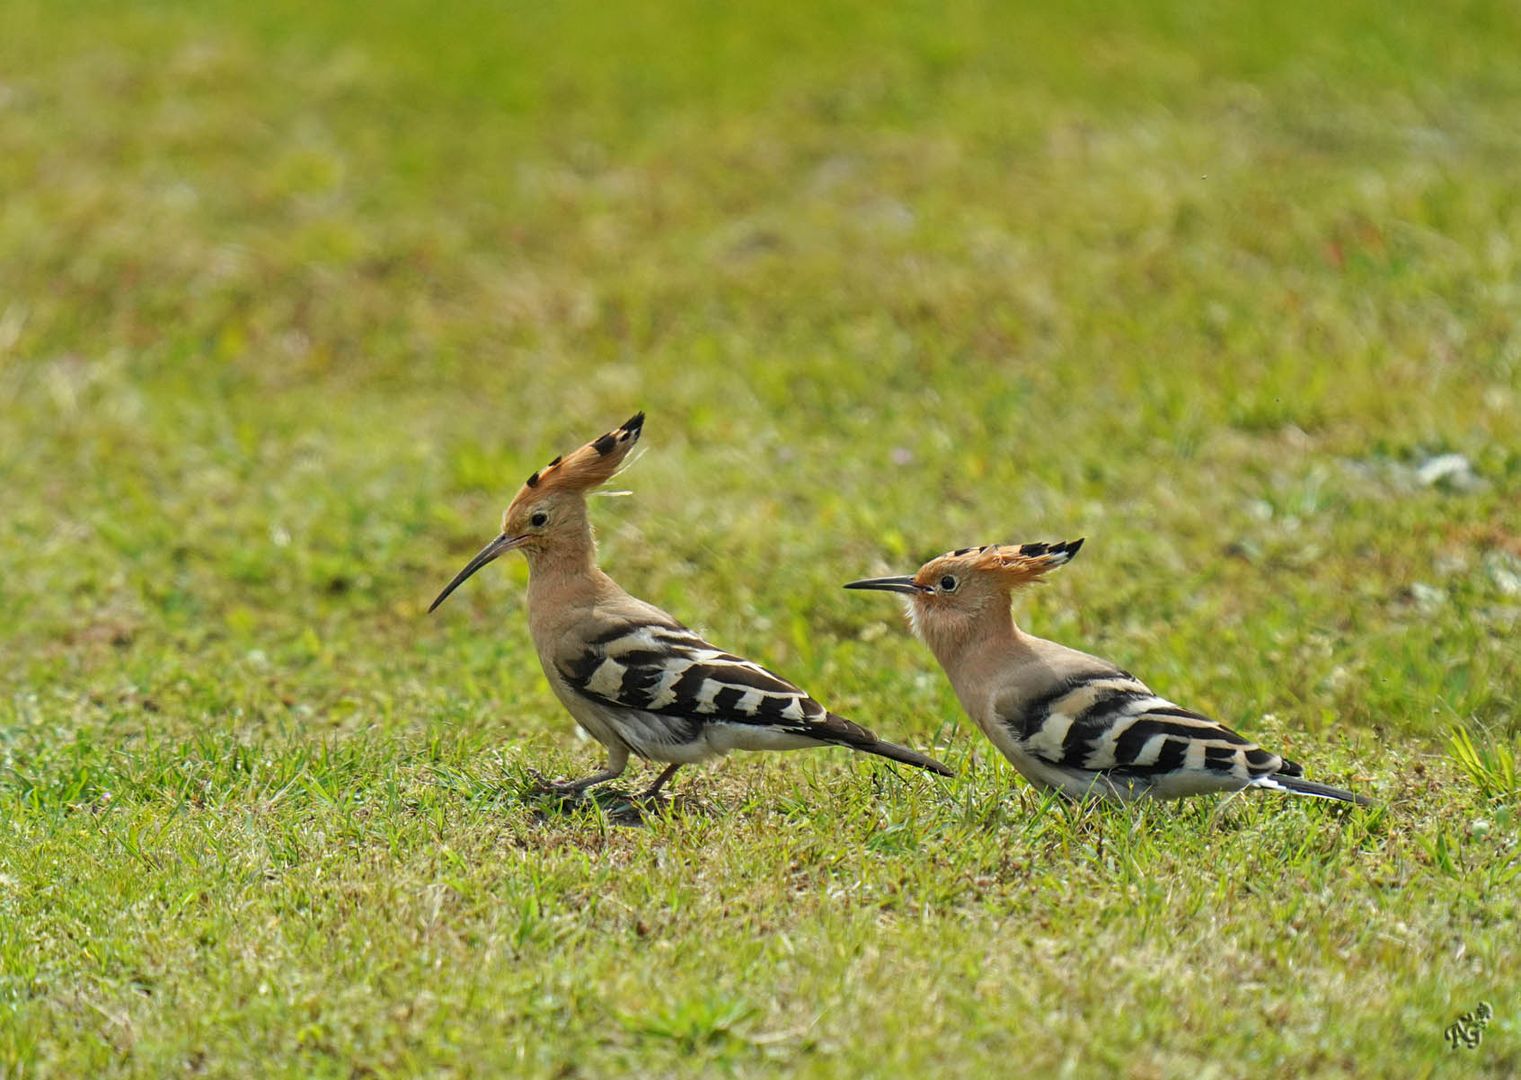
[539, 519]
[947, 584]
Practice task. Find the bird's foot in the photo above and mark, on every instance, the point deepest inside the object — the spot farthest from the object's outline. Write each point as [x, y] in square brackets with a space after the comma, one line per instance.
[574, 792]
[652, 793]
[560, 787]
[540, 783]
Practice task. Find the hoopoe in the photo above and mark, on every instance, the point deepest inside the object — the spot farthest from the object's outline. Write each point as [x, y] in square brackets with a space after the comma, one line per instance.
[1064, 719]
[636, 679]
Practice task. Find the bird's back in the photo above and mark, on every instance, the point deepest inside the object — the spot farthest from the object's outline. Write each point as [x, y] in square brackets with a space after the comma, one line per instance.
[1071, 715]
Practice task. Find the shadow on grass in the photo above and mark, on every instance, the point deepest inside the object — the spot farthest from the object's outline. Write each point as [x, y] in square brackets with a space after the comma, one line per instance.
[547, 802]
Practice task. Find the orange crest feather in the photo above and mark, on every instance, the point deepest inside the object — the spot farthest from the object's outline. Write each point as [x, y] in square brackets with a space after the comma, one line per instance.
[1021, 564]
[587, 467]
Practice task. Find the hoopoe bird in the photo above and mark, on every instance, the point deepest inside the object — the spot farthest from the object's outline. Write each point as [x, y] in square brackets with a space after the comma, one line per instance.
[632, 676]
[1067, 720]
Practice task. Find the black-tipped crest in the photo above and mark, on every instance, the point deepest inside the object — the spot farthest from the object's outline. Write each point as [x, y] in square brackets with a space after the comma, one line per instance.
[1064, 549]
[1015, 564]
[1020, 563]
[591, 465]
[606, 443]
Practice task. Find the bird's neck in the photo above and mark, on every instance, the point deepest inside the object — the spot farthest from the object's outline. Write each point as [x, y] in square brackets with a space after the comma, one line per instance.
[562, 562]
[562, 572]
[974, 645]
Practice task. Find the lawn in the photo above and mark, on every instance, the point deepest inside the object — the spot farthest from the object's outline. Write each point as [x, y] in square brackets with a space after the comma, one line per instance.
[293, 296]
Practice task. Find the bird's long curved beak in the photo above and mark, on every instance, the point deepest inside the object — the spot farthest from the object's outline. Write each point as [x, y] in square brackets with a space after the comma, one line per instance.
[904, 584]
[494, 550]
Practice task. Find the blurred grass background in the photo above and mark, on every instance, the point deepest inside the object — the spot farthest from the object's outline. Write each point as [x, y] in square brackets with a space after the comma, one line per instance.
[293, 296]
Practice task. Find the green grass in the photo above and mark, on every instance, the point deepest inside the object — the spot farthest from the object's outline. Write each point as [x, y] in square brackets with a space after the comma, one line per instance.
[293, 296]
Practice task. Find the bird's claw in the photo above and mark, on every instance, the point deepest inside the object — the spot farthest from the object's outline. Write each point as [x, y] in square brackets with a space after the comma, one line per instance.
[553, 787]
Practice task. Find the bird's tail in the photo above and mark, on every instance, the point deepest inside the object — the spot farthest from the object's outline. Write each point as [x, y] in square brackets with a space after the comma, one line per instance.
[894, 752]
[1296, 786]
[836, 729]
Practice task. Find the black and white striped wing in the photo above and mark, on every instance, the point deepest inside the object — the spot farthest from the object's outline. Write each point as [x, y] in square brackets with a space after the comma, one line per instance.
[668, 670]
[1111, 722]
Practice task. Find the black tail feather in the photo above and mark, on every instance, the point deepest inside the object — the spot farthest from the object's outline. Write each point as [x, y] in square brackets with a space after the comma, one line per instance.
[894, 752]
[1298, 786]
[840, 731]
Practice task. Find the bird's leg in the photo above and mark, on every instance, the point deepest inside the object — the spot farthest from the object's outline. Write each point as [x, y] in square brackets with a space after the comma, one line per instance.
[653, 790]
[577, 787]
[617, 761]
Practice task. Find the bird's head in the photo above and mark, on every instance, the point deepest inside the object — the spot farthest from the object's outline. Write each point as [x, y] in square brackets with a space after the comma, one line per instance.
[948, 594]
[549, 511]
